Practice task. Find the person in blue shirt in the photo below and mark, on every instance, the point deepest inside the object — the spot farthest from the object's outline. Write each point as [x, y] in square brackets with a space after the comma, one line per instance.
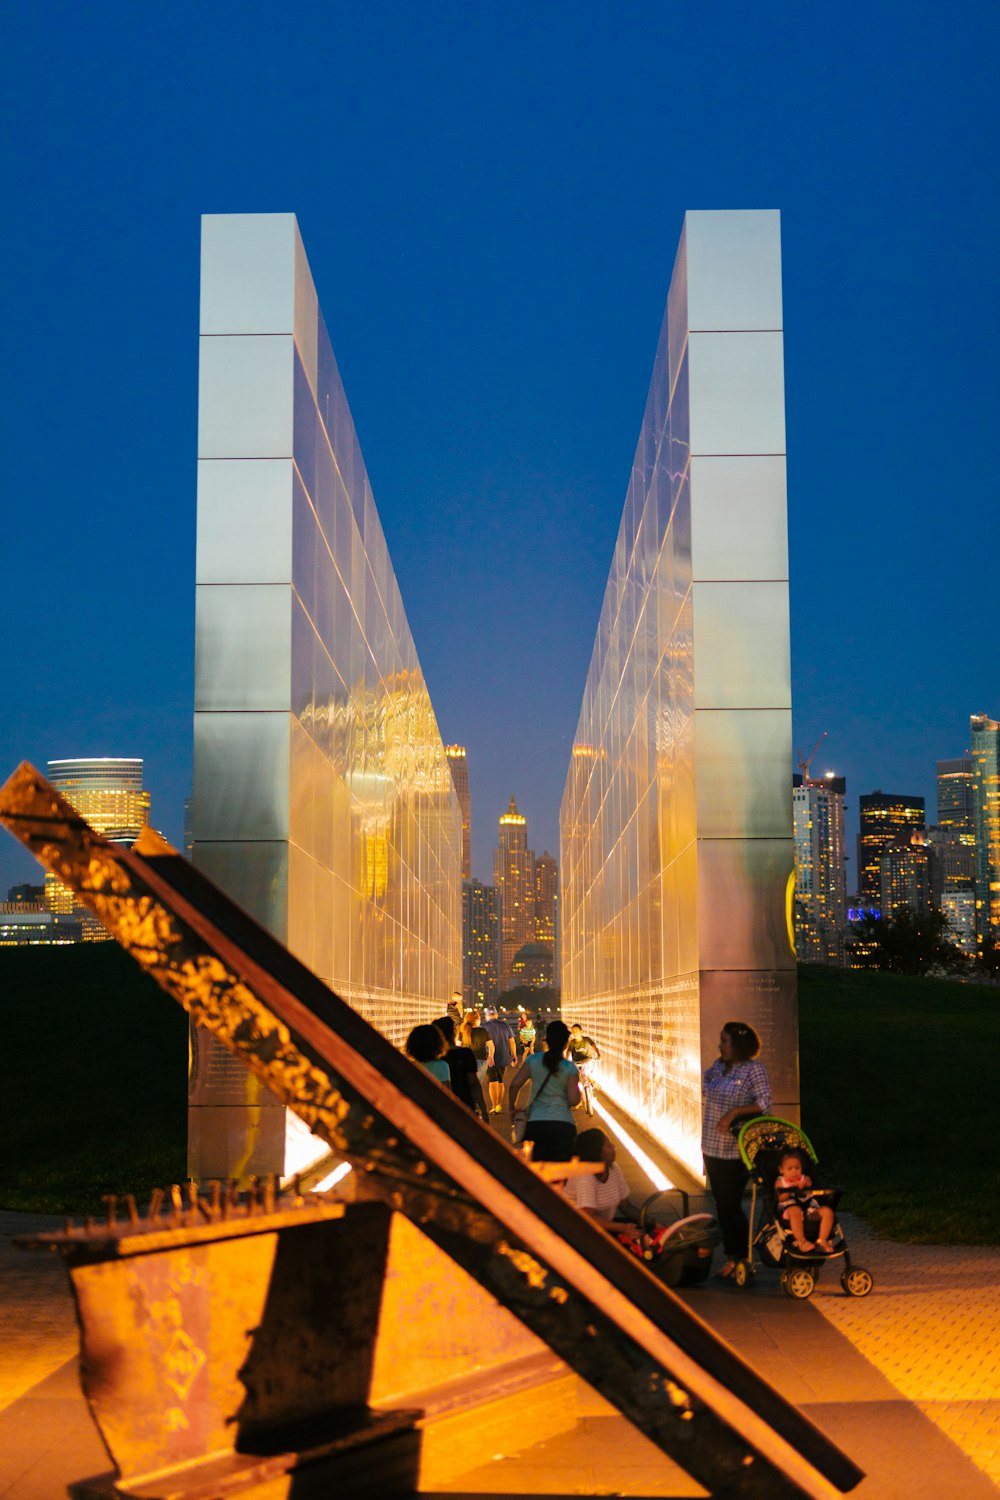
[555, 1093]
[426, 1045]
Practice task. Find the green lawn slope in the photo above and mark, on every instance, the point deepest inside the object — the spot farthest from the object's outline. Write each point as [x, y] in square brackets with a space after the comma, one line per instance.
[900, 1099]
[93, 1079]
[899, 1090]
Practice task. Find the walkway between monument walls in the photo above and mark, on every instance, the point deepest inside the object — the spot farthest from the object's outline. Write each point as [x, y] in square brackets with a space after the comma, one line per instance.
[907, 1380]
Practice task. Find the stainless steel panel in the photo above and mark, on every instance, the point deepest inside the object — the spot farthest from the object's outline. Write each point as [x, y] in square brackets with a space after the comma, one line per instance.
[737, 393]
[243, 646]
[733, 269]
[741, 645]
[766, 999]
[244, 521]
[742, 904]
[240, 776]
[739, 523]
[254, 874]
[306, 315]
[301, 883]
[742, 760]
[245, 397]
[248, 273]
[227, 1141]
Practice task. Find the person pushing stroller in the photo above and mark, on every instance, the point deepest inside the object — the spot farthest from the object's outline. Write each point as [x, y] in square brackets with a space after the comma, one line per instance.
[795, 1202]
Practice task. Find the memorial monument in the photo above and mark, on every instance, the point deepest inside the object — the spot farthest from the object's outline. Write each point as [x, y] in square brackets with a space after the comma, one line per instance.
[676, 824]
[323, 800]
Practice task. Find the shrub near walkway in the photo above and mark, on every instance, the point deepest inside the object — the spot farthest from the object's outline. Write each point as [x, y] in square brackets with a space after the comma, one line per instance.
[93, 1079]
[900, 1099]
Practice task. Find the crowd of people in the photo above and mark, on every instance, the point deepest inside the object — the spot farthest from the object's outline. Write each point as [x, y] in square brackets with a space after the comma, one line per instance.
[485, 1059]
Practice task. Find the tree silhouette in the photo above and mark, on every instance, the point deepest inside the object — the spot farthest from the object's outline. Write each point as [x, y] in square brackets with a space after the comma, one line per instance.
[908, 943]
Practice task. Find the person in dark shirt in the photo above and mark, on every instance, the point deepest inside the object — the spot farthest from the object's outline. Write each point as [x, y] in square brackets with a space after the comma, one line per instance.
[461, 1062]
[582, 1048]
[504, 1055]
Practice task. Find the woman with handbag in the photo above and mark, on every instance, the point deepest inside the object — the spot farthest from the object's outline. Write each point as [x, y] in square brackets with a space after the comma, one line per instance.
[555, 1092]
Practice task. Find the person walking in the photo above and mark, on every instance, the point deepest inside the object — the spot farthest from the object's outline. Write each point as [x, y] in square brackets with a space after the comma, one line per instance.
[503, 1056]
[555, 1092]
[736, 1088]
[473, 1034]
[462, 1073]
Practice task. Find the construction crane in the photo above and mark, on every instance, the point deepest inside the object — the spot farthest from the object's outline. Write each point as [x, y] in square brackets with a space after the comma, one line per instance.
[805, 764]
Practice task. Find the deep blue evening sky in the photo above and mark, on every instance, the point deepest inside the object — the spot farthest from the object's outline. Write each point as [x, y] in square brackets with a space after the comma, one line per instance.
[491, 198]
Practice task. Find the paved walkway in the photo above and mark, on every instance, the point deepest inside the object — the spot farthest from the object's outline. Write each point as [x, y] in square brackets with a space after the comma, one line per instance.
[907, 1380]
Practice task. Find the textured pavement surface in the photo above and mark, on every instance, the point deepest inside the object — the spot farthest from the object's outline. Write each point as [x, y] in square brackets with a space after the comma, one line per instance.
[907, 1380]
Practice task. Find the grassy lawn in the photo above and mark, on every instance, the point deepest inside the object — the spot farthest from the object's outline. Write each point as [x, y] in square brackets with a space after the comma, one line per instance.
[901, 1101]
[898, 1079]
[93, 1079]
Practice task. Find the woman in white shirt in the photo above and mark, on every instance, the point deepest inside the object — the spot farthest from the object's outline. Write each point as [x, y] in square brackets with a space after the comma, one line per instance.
[603, 1194]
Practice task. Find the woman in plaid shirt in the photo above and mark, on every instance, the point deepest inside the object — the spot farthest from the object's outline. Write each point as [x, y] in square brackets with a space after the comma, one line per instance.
[736, 1088]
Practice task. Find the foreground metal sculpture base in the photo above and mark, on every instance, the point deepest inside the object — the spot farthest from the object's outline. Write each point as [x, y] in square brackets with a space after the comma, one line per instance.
[417, 1150]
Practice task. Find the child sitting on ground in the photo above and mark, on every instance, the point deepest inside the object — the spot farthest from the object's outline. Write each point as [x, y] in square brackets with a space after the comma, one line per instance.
[795, 1201]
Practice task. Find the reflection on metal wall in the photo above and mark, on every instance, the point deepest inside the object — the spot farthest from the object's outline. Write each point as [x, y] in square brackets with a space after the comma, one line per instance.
[676, 828]
[323, 801]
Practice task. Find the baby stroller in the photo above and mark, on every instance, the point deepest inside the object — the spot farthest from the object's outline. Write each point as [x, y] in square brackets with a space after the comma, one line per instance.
[762, 1141]
[678, 1251]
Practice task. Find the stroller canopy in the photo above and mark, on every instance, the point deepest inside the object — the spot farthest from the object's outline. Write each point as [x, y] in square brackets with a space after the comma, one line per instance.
[769, 1133]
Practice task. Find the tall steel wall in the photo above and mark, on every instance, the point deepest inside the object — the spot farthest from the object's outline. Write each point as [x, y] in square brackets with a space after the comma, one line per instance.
[676, 829]
[323, 801]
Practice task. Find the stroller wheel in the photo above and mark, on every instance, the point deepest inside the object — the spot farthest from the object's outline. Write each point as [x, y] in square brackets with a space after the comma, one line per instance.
[798, 1283]
[742, 1272]
[857, 1282]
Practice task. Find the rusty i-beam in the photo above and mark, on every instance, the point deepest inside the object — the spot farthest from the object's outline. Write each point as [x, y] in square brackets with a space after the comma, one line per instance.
[418, 1150]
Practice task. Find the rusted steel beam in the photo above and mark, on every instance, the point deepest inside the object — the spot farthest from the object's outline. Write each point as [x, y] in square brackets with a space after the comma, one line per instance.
[417, 1149]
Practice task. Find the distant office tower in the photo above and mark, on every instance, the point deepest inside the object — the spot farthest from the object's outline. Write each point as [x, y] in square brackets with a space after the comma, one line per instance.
[514, 877]
[109, 794]
[951, 861]
[460, 775]
[547, 908]
[958, 908]
[820, 872]
[886, 818]
[480, 943]
[546, 899]
[955, 796]
[986, 823]
[904, 878]
[29, 924]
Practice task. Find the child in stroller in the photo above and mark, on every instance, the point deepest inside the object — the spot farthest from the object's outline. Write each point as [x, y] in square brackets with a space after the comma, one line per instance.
[795, 1214]
[795, 1202]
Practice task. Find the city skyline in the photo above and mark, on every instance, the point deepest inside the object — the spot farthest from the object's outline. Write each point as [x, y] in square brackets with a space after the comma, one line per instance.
[492, 292]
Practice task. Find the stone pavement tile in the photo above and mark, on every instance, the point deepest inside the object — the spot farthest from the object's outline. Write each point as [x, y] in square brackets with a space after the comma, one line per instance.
[47, 1439]
[601, 1455]
[37, 1321]
[904, 1456]
[932, 1328]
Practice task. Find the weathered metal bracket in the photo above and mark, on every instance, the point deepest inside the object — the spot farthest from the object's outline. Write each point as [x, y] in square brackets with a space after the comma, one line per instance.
[223, 1351]
[417, 1150]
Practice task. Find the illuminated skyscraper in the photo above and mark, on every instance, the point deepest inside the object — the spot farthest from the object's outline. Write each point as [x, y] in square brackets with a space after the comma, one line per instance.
[886, 818]
[986, 823]
[514, 877]
[547, 908]
[109, 794]
[460, 775]
[904, 877]
[481, 943]
[955, 796]
[820, 873]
